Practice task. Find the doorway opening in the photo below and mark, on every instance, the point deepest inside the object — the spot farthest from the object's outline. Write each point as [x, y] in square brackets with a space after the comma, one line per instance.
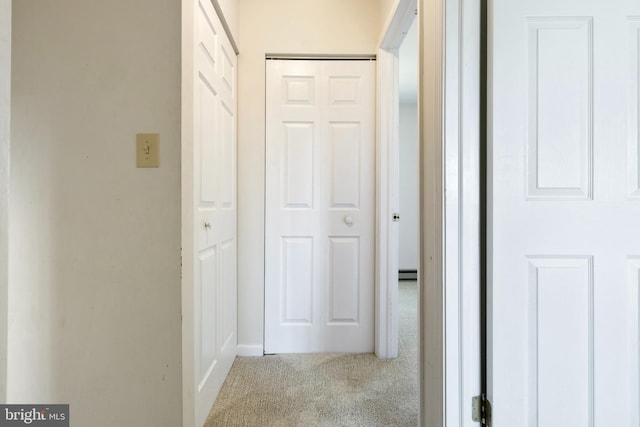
[408, 155]
[408, 193]
[320, 205]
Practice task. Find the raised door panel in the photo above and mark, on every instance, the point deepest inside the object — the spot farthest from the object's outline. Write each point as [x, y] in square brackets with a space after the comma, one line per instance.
[345, 90]
[228, 69]
[207, 143]
[344, 286]
[560, 341]
[207, 314]
[345, 146]
[633, 142]
[296, 282]
[560, 95]
[298, 165]
[298, 90]
[206, 40]
[227, 167]
[227, 297]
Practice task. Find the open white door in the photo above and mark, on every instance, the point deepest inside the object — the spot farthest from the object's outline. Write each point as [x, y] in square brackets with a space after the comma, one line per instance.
[320, 189]
[209, 210]
[565, 213]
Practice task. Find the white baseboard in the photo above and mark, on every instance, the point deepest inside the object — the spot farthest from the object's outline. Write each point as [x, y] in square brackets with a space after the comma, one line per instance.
[250, 350]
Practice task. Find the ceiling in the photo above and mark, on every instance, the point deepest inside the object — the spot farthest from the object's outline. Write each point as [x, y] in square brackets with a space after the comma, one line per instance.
[408, 67]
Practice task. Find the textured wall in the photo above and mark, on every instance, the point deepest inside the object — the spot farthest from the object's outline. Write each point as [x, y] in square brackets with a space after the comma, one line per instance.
[94, 300]
[5, 114]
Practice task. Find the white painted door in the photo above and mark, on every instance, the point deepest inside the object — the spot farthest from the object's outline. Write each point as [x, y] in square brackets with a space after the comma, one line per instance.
[320, 202]
[565, 246]
[210, 307]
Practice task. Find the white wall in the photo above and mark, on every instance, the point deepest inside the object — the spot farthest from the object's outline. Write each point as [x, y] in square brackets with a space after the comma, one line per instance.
[409, 179]
[387, 9]
[279, 26]
[5, 114]
[94, 300]
[229, 9]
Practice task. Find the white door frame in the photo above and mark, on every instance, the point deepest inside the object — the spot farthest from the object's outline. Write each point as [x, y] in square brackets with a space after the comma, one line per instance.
[449, 274]
[461, 174]
[387, 180]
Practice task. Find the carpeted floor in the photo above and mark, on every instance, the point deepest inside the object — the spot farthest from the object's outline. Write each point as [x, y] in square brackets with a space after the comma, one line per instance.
[326, 389]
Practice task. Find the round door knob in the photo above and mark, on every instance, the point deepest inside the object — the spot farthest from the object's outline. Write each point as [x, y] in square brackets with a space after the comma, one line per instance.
[207, 225]
[348, 220]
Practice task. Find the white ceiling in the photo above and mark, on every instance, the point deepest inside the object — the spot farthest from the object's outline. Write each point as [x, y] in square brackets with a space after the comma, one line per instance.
[408, 54]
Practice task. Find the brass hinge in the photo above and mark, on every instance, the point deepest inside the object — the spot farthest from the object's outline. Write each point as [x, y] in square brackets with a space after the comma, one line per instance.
[481, 410]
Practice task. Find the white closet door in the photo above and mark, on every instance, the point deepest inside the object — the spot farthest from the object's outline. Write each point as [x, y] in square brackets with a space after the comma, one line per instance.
[320, 206]
[210, 296]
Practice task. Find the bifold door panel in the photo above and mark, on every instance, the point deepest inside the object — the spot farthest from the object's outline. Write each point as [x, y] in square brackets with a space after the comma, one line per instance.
[320, 206]
[212, 309]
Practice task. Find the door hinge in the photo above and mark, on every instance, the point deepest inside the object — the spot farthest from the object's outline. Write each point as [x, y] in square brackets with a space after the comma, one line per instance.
[481, 410]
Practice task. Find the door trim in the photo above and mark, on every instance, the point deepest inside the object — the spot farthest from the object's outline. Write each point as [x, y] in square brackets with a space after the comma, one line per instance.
[462, 221]
[387, 189]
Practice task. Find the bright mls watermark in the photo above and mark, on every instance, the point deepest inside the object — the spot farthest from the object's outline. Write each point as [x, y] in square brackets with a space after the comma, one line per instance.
[34, 415]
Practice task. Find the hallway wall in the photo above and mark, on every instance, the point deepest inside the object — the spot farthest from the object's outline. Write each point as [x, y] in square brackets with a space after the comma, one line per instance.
[386, 10]
[279, 26]
[5, 114]
[94, 302]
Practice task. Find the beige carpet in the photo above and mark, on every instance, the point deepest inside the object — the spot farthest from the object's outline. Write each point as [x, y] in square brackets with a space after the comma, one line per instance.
[325, 389]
